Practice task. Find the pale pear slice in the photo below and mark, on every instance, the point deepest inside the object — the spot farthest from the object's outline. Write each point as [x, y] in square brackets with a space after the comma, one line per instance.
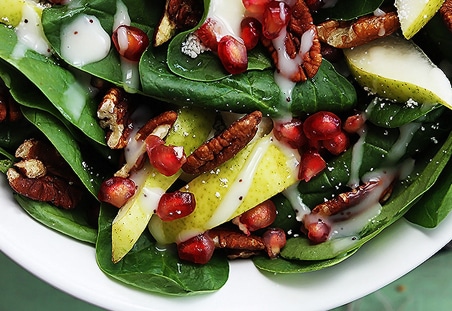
[190, 130]
[397, 69]
[258, 172]
[11, 11]
[414, 14]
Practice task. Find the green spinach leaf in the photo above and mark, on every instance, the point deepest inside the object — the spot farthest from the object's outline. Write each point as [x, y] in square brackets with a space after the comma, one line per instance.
[281, 265]
[58, 84]
[254, 90]
[69, 222]
[436, 204]
[67, 146]
[350, 9]
[157, 269]
[143, 14]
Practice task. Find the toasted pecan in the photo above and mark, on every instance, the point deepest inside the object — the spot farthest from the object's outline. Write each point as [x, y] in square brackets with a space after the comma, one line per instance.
[347, 34]
[224, 146]
[114, 116]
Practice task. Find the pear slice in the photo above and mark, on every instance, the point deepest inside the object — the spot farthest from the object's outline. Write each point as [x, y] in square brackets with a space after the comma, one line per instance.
[258, 172]
[190, 130]
[414, 14]
[397, 69]
[11, 10]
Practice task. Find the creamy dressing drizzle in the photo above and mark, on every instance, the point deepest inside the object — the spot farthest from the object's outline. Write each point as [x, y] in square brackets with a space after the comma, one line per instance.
[229, 15]
[30, 34]
[84, 41]
[296, 201]
[130, 73]
[239, 188]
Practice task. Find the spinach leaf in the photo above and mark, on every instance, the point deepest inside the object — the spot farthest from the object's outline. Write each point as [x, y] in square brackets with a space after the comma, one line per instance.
[385, 113]
[434, 206]
[66, 145]
[143, 14]
[427, 172]
[254, 90]
[207, 66]
[58, 84]
[69, 222]
[349, 9]
[281, 265]
[157, 269]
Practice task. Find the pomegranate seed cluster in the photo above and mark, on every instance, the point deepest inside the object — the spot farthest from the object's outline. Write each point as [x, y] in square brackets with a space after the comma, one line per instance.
[265, 18]
[319, 133]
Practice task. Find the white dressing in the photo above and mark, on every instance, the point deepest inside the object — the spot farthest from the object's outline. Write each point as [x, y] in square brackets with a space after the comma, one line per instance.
[84, 41]
[30, 34]
[240, 186]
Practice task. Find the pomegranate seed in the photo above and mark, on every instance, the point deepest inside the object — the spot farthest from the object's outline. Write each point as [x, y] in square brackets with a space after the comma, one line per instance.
[198, 249]
[175, 205]
[117, 191]
[130, 42]
[260, 216]
[276, 16]
[290, 133]
[337, 144]
[354, 123]
[274, 240]
[167, 159]
[322, 125]
[208, 34]
[318, 232]
[251, 30]
[153, 141]
[255, 7]
[233, 54]
[311, 164]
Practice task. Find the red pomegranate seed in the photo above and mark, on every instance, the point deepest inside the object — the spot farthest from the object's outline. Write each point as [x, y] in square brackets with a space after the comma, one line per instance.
[311, 164]
[290, 133]
[175, 205]
[116, 191]
[153, 141]
[260, 216]
[208, 35]
[233, 54]
[274, 240]
[318, 232]
[198, 249]
[322, 125]
[250, 32]
[255, 7]
[354, 123]
[337, 144]
[167, 159]
[130, 42]
[276, 16]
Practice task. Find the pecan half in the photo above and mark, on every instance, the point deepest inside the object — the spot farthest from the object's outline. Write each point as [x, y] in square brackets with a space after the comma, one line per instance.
[166, 118]
[446, 13]
[348, 199]
[347, 34]
[178, 15]
[231, 239]
[114, 115]
[42, 175]
[224, 146]
[301, 45]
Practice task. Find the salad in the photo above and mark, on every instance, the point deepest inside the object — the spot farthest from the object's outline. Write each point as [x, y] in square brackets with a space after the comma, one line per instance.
[175, 136]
